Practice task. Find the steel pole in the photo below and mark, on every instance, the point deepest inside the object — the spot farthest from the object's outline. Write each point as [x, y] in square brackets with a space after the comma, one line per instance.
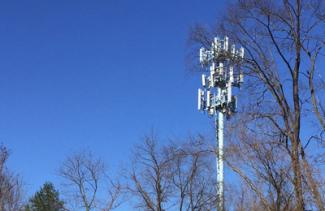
[220, 178]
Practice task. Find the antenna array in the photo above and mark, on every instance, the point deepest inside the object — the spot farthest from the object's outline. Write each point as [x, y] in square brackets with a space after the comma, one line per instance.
[224, 73]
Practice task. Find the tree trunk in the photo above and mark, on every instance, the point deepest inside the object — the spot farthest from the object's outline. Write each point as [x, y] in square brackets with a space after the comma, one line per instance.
[297, 181]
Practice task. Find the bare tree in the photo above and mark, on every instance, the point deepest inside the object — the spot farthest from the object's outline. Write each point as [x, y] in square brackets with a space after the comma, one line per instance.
[10, 185]
[149, 177]
[263, 165]
[191, 174]
[283, 41]
[84, 177]
[177, 175]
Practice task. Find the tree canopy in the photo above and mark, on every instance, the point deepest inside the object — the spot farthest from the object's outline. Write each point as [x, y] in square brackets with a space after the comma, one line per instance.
[46, 199]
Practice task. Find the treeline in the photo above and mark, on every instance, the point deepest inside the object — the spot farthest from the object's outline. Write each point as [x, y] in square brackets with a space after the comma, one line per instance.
[178, 175]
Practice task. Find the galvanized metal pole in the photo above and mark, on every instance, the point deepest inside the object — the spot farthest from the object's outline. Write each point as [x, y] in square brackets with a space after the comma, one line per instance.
[220, 172]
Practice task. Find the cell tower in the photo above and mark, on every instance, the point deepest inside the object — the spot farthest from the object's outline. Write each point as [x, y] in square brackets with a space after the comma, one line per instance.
[216, 98]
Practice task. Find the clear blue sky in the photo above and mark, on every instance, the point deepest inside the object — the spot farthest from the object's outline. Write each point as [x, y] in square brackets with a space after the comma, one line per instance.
[94, 74]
